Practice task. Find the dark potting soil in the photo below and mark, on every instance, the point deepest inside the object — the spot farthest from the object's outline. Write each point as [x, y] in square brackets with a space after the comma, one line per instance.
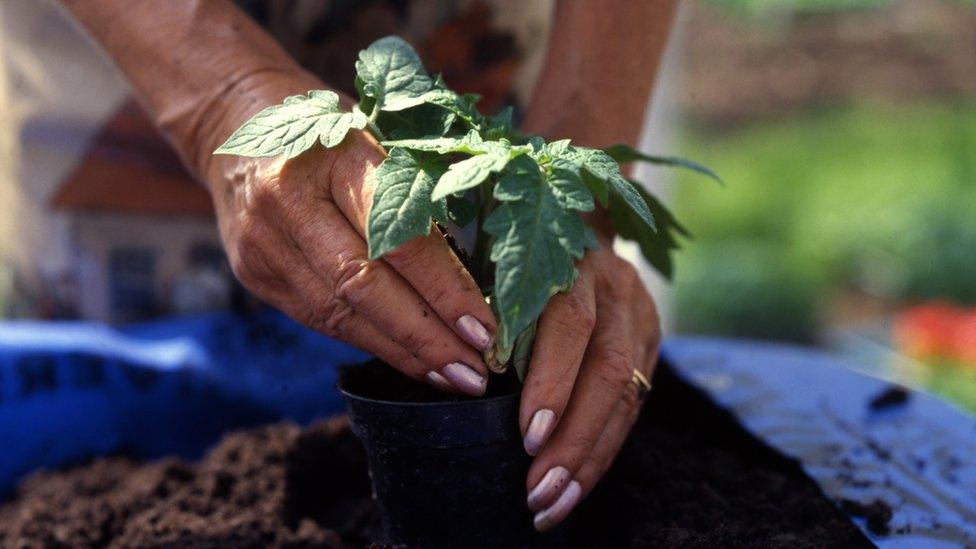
[689, 476]
[892, 397]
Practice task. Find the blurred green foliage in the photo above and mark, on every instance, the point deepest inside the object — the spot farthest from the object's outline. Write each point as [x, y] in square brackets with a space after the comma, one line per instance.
[744, 289]
[880, 198]
[955, 384]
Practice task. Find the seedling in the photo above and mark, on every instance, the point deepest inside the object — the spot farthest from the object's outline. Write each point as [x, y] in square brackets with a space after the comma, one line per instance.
[449, 163]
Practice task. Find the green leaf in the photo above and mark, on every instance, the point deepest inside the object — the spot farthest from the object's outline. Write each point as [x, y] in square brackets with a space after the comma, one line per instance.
[600, 165]
[470, 143]
[421, 121]
[598, 188]
[522, 354]
[392, 74]
[402, 208]
[624, 153]
[535, 240]
[656, 246]
[557, 149]
[294, 126]
[568, 186]
[601, 173]
[499, 125]
[454, 103]
[366, 103]
[491, 157]
[469, 173]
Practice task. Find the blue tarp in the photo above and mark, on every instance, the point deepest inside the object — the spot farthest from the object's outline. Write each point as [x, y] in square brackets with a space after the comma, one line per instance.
[71, 391]
[918, 457]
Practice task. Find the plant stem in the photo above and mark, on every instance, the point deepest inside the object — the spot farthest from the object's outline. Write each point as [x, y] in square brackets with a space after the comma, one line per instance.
[372, 126]
[482, 240]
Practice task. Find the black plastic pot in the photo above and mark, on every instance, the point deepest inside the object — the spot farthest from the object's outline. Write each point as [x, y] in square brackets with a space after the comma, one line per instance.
[445, 474]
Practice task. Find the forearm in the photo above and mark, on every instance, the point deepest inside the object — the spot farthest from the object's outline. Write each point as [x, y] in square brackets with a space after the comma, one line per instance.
[200, 67]
[599, 71]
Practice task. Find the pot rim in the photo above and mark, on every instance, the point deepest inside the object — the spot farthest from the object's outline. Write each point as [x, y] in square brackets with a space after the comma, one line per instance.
[469, 401]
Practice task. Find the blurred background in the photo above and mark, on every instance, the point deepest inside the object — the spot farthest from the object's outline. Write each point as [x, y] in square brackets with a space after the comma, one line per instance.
[845, 131]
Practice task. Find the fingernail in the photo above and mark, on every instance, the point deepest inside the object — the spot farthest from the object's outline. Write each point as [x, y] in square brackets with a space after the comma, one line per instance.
[474, 332]
[539, 429]
[548, 488]
[558, 511]
[465, 379]
[440, 381]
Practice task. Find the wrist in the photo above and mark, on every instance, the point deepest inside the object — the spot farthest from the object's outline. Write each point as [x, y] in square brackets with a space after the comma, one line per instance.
[199, 130]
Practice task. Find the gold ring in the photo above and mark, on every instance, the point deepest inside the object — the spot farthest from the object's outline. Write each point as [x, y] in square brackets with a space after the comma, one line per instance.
[641, 383]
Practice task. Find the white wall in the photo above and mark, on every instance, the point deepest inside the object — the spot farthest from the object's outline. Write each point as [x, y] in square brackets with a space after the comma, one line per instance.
[94, 236]
[56, 89]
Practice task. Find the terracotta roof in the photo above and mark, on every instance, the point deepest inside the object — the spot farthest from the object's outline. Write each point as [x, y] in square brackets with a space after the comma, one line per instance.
[130, 168]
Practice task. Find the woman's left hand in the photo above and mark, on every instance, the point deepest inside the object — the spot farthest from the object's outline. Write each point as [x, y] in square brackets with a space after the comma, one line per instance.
[579, 400]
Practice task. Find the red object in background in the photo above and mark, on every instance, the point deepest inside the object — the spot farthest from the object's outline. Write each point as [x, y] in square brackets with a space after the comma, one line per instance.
[925, 331]
[130, 168]
[937, 331]
[965, 340]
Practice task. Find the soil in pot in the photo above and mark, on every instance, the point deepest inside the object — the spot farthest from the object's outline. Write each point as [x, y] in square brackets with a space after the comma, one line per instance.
[689, 476]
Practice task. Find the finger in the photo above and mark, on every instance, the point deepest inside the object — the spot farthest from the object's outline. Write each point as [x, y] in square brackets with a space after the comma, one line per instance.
[646, 346]
[647, 340]
[374, 290]
[564, 331]
[604, 381]
[603, 454]
[427, 263]
[302, 296]
[431, 267]
[606, 449]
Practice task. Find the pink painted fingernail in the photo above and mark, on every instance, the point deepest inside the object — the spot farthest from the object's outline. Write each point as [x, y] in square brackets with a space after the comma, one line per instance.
[548, 488]
[558, 511]
[539, 429]
[440, 381]
[465, 379]
[474, 332]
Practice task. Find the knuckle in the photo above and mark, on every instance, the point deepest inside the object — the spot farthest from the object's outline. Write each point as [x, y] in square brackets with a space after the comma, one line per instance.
[418, 339]
[580, 311]
[243, 271]
[332, 317]
[578, 449]
[354, 278]
[263, 195]
[248, 259]
[630, 398]
[618, 365]
[411, 254]
[441, 291]
[252, 235]
[626, 274]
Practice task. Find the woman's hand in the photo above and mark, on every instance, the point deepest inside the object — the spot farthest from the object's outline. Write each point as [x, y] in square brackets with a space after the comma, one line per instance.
[579, 401]
[294, 234]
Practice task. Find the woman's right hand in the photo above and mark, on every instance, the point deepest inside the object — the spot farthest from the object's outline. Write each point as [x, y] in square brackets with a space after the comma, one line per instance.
[294, 234]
